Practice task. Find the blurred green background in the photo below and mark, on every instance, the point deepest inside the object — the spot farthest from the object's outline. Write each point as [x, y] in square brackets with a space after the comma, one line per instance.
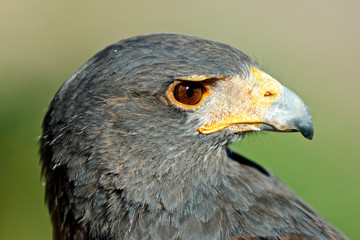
[312, 47]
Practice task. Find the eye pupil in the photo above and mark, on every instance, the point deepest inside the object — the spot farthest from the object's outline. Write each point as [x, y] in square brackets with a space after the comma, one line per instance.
[189, 93]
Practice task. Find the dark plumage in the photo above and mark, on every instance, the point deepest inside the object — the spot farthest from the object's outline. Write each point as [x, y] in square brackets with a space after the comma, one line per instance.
[126, 157]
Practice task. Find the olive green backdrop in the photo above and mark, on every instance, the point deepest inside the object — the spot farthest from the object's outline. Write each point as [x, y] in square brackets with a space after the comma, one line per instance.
[310, 46]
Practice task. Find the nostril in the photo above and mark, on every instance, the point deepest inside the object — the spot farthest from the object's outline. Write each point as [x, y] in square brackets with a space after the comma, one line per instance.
[268, 94]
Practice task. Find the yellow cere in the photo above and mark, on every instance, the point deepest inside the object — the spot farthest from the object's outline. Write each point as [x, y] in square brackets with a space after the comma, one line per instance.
[249, 107]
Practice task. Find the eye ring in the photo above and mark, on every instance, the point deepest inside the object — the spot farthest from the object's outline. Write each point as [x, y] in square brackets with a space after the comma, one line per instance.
[187, 94]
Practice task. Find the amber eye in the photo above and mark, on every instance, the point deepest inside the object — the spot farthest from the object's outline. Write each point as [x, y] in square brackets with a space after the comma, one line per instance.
[189, 93]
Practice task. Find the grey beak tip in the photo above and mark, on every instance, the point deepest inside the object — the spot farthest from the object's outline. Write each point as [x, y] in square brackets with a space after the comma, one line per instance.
[308, 134]
[307, 130]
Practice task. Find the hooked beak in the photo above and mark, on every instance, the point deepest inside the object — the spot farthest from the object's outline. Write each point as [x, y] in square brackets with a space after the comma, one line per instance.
[287, 114]
[261, 103]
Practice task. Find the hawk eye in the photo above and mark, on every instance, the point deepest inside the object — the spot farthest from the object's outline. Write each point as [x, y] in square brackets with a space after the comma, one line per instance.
[189, 93]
